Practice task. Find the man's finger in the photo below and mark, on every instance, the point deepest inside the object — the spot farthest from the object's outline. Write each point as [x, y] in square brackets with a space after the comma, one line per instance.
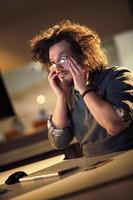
[75, 63]
[73, 67]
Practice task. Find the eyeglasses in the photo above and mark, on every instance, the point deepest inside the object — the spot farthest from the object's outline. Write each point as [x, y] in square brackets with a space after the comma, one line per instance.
[61, 61]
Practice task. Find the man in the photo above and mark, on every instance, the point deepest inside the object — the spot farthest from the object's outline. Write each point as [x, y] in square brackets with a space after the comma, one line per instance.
[94, 103]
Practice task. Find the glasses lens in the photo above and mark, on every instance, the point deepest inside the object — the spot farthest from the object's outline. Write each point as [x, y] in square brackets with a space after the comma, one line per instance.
[62, 60]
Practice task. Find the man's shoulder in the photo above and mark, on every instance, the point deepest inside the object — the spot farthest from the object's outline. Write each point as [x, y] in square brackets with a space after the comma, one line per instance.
[120, 68]
[113, 75]
[116, 71]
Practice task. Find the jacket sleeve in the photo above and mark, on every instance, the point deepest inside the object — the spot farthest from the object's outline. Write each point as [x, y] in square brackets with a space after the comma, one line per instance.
[119, 92]
[59, 138]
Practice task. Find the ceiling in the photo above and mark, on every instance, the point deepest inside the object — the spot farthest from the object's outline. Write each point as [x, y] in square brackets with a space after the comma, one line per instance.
[21, 20]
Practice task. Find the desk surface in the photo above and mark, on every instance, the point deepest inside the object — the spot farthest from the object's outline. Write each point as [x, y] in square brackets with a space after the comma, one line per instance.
[31, 168]
[27, 151]
[83, 183]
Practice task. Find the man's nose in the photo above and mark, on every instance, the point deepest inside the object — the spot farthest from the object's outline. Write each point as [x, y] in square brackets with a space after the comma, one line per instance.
[58, 67]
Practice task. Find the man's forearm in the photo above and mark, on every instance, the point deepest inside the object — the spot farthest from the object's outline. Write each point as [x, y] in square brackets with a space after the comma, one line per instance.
[59, 118]
[103, 112]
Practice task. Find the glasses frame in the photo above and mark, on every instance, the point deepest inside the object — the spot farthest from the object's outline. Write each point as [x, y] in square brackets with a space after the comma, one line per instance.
[61, 61]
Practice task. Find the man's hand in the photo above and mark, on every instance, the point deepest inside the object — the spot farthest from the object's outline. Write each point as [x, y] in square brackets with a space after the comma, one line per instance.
[79, 75]
[57, 84]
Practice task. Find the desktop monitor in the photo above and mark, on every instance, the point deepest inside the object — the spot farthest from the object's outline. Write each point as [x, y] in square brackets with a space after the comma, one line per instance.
[6, 108]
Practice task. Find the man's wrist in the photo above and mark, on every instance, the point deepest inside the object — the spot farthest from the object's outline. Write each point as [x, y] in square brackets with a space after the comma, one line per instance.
[61, 97]
[82, 90]
[86, 91]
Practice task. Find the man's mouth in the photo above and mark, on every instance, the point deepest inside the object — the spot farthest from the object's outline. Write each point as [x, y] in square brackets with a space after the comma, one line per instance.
[62, 73]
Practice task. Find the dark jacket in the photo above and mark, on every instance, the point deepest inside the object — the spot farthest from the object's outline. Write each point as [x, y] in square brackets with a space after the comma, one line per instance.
[114, 85]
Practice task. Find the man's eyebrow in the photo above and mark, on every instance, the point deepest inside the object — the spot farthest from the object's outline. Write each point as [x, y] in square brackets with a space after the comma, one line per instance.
[62, 53]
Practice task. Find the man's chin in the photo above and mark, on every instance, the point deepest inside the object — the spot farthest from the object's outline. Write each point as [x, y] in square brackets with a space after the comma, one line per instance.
[68, 81]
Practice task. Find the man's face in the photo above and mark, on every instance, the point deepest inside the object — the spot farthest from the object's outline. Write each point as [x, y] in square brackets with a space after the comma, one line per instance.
[59, 54]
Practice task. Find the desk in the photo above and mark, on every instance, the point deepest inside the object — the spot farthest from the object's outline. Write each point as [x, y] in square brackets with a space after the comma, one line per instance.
[111, 181]
[31, 168]
[34, 151]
